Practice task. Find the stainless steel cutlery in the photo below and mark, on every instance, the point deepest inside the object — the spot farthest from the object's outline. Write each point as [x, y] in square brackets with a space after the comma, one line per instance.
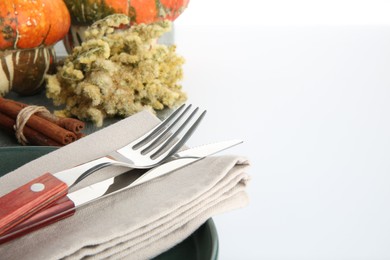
[66, 206]
[45, 199]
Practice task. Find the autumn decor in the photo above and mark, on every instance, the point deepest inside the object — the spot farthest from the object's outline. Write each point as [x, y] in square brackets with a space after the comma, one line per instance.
[28, 31]
[118, 72]
[35, 125]
[86, 12]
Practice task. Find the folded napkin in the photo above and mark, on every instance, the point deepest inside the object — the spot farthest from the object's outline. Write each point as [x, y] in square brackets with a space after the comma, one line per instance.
[138, 223]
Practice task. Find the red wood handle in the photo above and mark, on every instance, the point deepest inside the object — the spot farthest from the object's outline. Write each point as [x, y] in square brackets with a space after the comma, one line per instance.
[20, 204]
[62, 208]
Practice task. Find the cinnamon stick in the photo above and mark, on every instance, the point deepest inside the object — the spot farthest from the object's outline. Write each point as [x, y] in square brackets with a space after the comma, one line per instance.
[70, 124]
[80, 135]
[39, 124]
[34, 137]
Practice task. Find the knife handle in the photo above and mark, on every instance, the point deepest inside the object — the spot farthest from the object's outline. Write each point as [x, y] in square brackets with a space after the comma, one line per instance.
[61, 209]
[21, 203]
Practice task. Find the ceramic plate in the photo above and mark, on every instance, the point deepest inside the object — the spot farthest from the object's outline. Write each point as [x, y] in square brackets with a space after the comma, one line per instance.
[201, 245]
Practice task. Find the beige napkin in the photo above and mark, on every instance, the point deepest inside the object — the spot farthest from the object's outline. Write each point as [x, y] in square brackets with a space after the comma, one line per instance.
[138, 223]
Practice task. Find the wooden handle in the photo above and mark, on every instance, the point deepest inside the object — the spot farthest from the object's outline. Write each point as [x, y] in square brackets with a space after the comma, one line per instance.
[20, 204]
[61, 209]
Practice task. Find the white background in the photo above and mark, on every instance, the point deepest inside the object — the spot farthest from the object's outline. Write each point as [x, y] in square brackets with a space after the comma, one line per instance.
[306, 84]
[286, 12]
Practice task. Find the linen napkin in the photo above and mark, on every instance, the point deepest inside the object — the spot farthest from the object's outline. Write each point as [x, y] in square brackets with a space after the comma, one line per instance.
[138, 223]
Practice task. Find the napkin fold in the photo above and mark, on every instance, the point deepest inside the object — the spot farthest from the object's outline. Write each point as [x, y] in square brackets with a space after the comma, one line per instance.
[137, 223]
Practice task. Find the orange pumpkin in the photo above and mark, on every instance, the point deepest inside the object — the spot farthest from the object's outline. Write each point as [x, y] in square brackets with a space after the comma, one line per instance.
[87, 12]
[32, 23]
[28, 31]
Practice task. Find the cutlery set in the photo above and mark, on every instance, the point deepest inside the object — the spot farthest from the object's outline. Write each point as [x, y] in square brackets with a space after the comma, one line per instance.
[46, 200]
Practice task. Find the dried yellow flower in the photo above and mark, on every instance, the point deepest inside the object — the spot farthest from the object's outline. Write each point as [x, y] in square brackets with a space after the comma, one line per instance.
[118, 72]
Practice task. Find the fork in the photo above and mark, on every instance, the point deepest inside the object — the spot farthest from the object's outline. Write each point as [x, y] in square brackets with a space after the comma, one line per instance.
[147, 151]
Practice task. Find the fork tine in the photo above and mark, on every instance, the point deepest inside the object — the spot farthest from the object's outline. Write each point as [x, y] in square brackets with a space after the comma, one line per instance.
[161, 142]
[162, 137]
[161, 126]
[177, 143]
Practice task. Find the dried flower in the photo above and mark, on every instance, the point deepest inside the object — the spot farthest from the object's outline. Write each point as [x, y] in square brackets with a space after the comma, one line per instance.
[118, 72]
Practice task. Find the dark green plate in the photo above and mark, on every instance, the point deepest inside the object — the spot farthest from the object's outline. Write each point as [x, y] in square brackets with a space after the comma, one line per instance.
[201, 245]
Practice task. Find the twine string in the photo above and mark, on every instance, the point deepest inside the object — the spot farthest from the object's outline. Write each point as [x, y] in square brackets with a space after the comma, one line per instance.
[22, 118]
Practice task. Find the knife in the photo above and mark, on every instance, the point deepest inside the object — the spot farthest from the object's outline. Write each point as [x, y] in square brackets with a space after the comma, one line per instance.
[147, 151]
[66, 206]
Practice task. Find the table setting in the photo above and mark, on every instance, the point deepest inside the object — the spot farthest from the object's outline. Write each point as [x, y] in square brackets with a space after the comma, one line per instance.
[94, 160]
[220, 182]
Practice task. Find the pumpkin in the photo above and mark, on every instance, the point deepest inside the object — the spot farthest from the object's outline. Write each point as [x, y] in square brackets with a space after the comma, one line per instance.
[23, 71]
[32, 23]
[86, 12]
[28, 31]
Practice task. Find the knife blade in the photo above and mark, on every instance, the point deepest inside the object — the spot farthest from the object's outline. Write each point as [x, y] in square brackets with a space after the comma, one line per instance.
[67, 206]
[146, 151]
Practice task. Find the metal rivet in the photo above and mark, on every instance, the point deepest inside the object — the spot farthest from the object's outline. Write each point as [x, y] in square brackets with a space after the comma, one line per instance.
[37, 187]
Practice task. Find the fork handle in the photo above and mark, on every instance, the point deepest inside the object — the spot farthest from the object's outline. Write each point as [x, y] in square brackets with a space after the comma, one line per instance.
[61, 209]
[21, 203]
